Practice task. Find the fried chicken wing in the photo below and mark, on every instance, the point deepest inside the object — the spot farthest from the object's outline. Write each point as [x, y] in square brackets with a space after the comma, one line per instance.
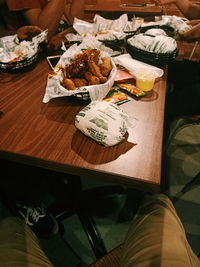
[92, 55]
[69, 84]
[105, 66]
[77, 67]
[79, 82]
[95, 70]
[91, 78]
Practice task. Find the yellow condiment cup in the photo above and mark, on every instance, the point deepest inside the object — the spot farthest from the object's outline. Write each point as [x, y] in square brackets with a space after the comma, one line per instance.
[145, 80]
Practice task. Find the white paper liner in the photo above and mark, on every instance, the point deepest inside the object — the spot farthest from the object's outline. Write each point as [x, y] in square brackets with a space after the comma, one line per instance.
[179, 24]
[91, 42]
[155, 44]
[103, 29]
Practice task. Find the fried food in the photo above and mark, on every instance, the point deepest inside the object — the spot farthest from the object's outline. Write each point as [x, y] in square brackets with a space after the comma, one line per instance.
[91, 78]
[28, 32]
[95, 70]
[69, 84]
[92, 55]
[83, 70]
[77, 68]
[51, 74]
[79, 82]
[88, 55]
[105, 66]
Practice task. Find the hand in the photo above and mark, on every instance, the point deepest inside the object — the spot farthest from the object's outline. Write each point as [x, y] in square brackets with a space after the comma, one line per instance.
[55, 42]
[166, 2]
[193, 22]
[192, 35]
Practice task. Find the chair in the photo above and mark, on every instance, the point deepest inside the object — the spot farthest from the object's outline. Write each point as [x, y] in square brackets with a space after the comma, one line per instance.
[64, 198]
[182, 156]
[186, 188]
[84, 208]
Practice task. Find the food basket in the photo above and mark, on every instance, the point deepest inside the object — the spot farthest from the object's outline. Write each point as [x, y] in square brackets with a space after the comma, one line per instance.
[57, 88]
[156, 59]
[116, 45]
[19, 66]
[83, 96]
[19, 56]
[168, 29]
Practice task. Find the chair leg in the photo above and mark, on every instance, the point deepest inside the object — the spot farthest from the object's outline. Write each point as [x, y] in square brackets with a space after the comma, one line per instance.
[92, 233]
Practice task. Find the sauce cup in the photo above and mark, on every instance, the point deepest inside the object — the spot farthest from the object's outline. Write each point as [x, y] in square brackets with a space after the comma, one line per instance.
[145, 79]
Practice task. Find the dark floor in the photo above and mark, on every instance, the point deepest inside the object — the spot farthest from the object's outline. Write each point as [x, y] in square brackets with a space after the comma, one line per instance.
[73, 246]
[62, 250]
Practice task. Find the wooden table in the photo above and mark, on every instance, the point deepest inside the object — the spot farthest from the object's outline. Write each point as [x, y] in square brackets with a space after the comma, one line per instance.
[44, 135]
[113, 6]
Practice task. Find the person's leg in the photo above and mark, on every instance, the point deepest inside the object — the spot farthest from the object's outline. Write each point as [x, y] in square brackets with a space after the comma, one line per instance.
[157, 237]
[22, 190]
[19, 246]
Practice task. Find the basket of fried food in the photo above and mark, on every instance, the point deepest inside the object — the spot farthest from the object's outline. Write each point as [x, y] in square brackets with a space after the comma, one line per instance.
[20, 52]
[87, 74]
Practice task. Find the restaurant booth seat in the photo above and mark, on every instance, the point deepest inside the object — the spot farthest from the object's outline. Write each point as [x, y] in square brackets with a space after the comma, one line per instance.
[194, 182]
[182, 154]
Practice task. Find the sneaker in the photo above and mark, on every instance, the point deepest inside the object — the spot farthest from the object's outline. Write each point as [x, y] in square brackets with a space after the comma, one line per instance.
[41, 222]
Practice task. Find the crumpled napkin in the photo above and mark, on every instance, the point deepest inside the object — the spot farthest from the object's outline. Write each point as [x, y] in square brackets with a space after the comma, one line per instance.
[133, 65]
[155, 44]
[103, 29]
[178, 23]
[91, 42]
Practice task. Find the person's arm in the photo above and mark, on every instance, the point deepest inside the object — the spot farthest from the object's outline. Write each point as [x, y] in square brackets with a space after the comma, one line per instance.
[189, 9]
[193, 34]
[47, 18]
[74, 9]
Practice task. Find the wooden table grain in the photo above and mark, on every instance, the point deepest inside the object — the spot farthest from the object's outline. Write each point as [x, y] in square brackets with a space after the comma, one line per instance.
[44, 135]
[114, 6]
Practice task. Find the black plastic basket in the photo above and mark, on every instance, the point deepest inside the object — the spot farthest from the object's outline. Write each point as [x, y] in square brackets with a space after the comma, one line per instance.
[130, 34]
[116, 45]
[83, 95]
[156, 59]
[19, 66]
[168, 29]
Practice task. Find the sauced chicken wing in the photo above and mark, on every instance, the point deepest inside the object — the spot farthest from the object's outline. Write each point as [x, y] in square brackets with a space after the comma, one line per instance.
[76, 68]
